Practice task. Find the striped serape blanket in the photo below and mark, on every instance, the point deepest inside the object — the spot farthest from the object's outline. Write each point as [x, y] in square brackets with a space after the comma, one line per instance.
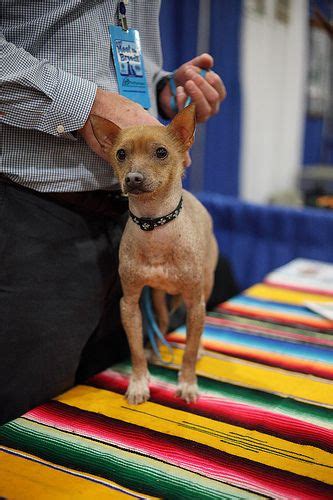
[262, 427]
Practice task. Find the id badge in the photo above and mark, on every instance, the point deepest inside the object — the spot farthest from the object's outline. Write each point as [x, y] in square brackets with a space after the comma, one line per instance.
[128, 62]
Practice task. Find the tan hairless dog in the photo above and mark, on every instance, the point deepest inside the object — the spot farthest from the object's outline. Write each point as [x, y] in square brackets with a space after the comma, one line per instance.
[176, 253]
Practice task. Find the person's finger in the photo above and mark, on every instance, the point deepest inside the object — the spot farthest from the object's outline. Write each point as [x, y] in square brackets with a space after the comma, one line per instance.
[215, 81]
[212, 96]
[180, 97]
[89, 136]
[202, 107]
[204, 60]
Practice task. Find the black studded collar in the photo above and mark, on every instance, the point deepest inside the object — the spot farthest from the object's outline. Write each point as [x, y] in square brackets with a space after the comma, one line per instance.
[148, 223]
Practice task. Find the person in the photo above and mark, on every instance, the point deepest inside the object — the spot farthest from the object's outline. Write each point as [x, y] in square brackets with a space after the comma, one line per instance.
[61, 212]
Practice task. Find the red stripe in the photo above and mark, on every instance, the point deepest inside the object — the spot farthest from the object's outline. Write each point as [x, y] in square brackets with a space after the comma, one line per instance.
[227, 410]
[178, 451]
[212, 320]
[321, 325]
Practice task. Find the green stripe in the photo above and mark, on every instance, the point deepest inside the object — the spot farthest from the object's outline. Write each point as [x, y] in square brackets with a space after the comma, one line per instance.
[287, 406]
[273, 326]
[143, 474]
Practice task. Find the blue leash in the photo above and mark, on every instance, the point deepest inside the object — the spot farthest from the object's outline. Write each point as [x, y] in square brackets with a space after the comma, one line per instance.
[151, 325]
[153, 330]
[173, 99]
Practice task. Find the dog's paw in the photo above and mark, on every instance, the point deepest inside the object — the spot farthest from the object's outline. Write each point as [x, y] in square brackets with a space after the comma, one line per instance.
[188, 391]
[138, 391]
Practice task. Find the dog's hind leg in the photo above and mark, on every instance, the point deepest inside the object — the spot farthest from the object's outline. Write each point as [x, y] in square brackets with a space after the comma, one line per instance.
[210, 268]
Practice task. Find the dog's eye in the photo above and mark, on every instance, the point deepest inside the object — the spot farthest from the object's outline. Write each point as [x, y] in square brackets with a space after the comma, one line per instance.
[121, 154]
[161, 153]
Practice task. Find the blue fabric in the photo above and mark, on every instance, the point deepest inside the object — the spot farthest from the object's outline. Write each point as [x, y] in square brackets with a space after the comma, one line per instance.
[258, 239]
[179, 26]
[223, 140]
[312, 140]
[313, 152]
[285, 347]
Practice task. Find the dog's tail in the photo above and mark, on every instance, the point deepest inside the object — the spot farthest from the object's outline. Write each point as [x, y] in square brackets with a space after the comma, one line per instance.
[175, 302]
[164, 307]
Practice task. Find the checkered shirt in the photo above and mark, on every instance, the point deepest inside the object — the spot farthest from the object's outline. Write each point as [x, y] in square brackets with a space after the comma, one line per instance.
[54, 56]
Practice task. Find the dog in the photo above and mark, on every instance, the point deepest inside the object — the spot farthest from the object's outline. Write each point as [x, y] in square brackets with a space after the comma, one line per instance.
[168, 242]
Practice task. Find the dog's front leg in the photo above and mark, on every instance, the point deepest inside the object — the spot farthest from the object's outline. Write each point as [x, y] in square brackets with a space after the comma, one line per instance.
[187, 387]
[138, 389]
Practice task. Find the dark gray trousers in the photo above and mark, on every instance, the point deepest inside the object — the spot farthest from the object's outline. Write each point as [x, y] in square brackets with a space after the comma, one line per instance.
[59, 298]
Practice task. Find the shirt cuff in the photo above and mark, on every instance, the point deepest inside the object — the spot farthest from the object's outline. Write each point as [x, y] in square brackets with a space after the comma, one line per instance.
[159, 87]
[71, 104]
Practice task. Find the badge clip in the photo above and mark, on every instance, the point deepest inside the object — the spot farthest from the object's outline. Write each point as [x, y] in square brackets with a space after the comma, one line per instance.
[122, 16]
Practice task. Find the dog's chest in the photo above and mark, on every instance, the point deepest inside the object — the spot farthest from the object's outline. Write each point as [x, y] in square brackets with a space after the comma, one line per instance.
[166, 258]
[162, 270]
[155, 262]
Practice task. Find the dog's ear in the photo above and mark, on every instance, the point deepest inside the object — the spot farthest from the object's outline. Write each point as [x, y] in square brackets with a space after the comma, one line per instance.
[183, 125]
[104, 130]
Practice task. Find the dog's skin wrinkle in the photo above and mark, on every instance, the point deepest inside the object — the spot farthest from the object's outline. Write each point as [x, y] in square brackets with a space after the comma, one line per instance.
[179, 257]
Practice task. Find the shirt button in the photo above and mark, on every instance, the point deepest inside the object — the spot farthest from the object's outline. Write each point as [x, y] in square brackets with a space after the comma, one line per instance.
[60, 129]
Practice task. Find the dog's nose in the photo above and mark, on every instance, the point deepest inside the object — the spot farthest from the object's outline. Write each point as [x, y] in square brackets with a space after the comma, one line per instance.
[134, 179]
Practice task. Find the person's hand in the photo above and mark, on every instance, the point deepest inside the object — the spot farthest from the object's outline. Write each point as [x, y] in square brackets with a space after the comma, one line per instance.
[123, 112]
[118, 109]
[206, 93]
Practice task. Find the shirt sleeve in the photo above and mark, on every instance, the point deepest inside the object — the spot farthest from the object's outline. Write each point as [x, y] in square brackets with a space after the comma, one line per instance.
[37, 95]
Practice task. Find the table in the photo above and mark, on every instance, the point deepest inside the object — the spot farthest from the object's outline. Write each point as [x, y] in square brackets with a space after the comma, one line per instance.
[262, 427]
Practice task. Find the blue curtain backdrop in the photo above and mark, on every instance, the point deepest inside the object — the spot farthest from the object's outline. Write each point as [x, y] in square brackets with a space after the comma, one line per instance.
[314, 149]
[258, 238]
[223, 140]
[179, 28]
[313, 140]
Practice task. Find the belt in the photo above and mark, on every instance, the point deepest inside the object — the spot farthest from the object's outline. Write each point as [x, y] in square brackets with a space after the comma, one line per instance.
[99, 202]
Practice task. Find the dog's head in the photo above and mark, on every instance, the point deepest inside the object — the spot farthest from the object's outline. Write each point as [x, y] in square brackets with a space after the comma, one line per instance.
[146, 158]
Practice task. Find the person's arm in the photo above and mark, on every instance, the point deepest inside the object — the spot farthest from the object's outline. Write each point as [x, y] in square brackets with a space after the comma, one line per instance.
[37, 95]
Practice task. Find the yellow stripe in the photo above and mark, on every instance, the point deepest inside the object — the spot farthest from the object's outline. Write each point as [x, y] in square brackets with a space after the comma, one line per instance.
[275, 452]
[255, 376]
[23, 478]
[285, 296]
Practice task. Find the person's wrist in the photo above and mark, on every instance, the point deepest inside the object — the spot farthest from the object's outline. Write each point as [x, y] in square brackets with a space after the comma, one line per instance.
[99, 102]
[162, 90]
[164, 101]
[98, 106]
